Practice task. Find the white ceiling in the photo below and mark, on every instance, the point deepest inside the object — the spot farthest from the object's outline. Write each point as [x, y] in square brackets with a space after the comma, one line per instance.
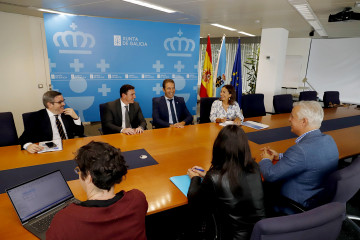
[244, 15]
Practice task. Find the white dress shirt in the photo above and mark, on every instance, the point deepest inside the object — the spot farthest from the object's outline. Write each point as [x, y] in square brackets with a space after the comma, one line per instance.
[169, 110]
[123, 105]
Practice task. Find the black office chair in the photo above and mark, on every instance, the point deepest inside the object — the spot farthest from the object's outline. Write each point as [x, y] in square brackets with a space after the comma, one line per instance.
[330, 98]
[283, 103]
[101, 108]
[343, 184]
[308, 96]
[252, 105]
[205, 108]
[8, 134]
[340, 186]
[26, 117]
[323, 222]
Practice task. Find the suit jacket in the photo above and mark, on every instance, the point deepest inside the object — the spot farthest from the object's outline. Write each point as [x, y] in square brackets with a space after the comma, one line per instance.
[111, 121]
[160, 112]
[236, 211]
[40, 130]
[303, 167]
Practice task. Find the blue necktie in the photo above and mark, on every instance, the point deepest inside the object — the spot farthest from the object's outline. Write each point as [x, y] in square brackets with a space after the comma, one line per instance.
[172, 111]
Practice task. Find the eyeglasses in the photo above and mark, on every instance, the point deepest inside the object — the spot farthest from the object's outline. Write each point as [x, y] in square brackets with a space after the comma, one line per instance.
[59, 102]
[77, 170]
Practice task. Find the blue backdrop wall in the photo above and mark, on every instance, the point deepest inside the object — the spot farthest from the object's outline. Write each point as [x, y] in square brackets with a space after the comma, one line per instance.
[91, 58]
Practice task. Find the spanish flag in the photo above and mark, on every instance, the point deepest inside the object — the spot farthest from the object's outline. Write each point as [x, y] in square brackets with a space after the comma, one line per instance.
[206, 89]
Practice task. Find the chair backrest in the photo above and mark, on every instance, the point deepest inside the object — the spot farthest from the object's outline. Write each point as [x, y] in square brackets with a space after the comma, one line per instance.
[26, 117]
[101, 109]
[283, 103]
[332, 97]
[308, 96]
[343, 184]
[205, 108]
[8, 134]
[323, 222]
[252, 105]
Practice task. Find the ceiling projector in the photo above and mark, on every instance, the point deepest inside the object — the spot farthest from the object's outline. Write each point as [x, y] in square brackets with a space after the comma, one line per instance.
[344, 15]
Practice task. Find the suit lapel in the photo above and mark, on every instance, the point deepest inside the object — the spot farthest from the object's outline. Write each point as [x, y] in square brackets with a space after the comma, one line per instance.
[118, 111]
[163, 105]
[46, 124]
[177, 108]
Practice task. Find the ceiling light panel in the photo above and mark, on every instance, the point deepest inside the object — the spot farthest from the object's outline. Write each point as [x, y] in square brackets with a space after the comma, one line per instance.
[150, 5]
[247, 34]
[224, 27]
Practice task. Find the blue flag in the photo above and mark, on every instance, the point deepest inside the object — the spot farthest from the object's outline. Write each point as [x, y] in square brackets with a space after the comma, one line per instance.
[236, 79]
[219, 76]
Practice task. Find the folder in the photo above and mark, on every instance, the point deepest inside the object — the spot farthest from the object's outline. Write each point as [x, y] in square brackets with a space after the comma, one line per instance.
[182, 182]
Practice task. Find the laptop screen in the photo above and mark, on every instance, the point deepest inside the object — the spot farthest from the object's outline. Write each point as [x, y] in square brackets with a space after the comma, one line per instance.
[37, 196]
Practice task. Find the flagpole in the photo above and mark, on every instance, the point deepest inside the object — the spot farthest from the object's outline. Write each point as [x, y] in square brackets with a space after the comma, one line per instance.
[217, 66]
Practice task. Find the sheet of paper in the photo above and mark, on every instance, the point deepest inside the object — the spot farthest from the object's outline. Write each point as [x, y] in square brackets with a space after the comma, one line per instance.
[58, 146]
[255, 125]
[226, 123]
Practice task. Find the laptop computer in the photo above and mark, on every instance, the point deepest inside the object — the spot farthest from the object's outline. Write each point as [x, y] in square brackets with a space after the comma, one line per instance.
[38, 200]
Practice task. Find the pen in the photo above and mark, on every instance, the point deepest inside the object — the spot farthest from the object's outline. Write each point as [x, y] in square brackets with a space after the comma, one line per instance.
[201, 170]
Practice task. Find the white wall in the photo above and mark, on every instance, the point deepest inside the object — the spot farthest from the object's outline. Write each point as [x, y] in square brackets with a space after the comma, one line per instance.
[271, 64]
[298, 52]
[23, 65]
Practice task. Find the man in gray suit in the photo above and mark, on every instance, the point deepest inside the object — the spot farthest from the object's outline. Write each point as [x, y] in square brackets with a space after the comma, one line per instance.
[124, 114]
[303, 167]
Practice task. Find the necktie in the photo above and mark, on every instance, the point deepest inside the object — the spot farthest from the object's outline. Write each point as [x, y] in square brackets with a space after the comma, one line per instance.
[172, 111]
[127, 118]
[60, 127]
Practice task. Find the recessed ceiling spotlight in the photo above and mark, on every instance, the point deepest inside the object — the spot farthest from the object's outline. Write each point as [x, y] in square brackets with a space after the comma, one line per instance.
[222, 26]
[150, 5]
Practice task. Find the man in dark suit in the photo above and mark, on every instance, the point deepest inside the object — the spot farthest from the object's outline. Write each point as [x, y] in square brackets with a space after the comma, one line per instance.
[123, 115]
[169, 110]
[301, 170]
[53, 122]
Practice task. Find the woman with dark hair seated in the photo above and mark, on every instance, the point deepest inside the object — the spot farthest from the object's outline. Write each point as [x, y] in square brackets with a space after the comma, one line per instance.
[226, 108]
[105, 215]
[232, 188]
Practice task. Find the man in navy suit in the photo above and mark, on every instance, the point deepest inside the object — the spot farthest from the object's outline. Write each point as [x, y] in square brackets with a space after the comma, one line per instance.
[53, 122]
[169, 110]
[303, 167]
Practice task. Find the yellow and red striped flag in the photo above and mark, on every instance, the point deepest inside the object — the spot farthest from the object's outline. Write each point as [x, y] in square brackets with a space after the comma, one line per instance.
[206, 88]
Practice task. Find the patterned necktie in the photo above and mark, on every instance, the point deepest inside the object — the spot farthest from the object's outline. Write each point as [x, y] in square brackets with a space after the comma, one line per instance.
[127, 118]
[60, 127]
[172, 111]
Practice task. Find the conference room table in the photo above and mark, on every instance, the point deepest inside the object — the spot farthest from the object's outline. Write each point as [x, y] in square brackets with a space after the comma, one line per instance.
[174, 149]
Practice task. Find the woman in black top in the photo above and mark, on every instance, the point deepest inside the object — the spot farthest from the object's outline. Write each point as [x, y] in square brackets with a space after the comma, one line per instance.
[232, 188]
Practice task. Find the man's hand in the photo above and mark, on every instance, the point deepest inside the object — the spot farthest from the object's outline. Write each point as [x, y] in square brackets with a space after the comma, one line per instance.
[139, 130]
[34, 148]
[269, 153]
[71, 112]
[128, 131]
[179, 125]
